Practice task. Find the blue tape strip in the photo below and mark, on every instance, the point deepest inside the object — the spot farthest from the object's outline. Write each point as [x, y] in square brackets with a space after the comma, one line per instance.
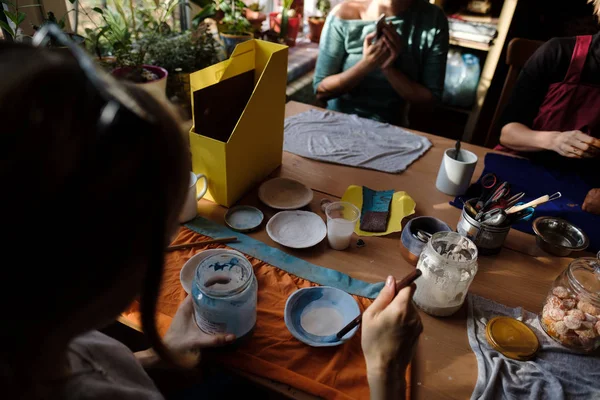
[293, 265]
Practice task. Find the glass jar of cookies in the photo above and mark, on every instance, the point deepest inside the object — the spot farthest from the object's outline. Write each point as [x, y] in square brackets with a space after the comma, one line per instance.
[571, 312]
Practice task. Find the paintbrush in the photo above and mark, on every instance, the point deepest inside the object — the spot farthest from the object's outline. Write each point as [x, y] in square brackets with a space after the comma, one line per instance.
[200, 244]
[407, 281]
[457, 151]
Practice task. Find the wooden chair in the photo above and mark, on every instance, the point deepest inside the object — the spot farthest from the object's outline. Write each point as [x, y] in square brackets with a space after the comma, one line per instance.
[519, 51]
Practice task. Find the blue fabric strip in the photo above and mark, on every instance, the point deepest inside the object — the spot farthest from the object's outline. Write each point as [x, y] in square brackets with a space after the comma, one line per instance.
[293, 265]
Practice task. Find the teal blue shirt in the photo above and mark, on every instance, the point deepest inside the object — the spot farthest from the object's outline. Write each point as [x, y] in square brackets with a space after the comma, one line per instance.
[424, 30]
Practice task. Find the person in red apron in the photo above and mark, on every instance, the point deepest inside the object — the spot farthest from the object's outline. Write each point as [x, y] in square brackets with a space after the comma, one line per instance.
[554, 111]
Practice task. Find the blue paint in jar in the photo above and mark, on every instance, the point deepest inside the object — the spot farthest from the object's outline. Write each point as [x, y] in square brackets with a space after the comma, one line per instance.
[225, 294]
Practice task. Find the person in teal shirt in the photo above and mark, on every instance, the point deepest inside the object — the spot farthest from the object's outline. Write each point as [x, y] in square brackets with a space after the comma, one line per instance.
[377, 80]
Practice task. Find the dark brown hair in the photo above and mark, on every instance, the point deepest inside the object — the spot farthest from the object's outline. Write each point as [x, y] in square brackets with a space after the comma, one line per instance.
[79, 207]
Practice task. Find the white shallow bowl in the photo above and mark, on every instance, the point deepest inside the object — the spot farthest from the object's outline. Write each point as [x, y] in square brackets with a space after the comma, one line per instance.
[313, 315]
[186, 275]
[297, 229]
[285, 194]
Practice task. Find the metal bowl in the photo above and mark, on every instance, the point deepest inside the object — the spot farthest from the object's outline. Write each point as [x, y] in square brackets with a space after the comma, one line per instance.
[559, 237]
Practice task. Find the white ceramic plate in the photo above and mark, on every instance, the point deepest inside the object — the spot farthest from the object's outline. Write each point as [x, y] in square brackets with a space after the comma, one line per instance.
[186, 275]
[244, 218]
[284, 194]
[297, 229]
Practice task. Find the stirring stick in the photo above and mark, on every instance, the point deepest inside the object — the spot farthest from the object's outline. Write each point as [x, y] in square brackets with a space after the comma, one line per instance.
[199, 244]
[408, 280]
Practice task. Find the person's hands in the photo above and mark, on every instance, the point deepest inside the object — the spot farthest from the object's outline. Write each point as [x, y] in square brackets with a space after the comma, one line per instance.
[393, 41]
[390, 329]
[185, 336]
[575, 144]
[374, 54]
[591, 203]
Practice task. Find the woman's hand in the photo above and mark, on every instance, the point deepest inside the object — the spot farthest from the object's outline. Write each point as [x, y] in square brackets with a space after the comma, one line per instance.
[575, 144]
[393, 41]
[185, 336]
[374, 54]
[390, 329]
[591, 203]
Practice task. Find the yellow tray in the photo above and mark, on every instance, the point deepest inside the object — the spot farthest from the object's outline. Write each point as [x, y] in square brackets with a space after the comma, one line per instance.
[402, 206]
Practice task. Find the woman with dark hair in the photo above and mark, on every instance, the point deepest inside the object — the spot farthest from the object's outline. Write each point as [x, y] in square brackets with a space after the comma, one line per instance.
[357, 74]
[94, 175]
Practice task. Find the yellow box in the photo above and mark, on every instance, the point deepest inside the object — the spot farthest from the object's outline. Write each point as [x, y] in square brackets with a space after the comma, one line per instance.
[255, 146]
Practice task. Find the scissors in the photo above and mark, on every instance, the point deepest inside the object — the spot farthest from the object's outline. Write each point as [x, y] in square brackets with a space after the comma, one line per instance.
[488, 185]
[499, 194]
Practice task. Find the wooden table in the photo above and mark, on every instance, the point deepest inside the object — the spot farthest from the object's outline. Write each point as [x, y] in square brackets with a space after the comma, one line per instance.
[521, 275]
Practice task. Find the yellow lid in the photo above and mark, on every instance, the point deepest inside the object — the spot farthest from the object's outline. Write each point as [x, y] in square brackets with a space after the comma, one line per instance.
[512, 338]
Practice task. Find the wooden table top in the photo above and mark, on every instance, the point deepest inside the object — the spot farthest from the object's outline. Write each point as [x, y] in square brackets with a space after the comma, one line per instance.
[521, 275]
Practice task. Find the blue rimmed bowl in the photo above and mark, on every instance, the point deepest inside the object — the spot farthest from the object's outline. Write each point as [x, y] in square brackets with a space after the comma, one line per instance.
[313, 315]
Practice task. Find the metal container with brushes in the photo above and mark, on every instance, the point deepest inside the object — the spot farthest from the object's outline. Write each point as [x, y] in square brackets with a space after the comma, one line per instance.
[488, 239]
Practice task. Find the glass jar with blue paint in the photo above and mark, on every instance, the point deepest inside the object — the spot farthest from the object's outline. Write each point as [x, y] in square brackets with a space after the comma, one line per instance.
[225, 293]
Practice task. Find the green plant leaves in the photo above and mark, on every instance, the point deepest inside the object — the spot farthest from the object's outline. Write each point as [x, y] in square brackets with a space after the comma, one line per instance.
[7, 28]
[11, 15]
[98, 10]
[203, 3]
[207, 12]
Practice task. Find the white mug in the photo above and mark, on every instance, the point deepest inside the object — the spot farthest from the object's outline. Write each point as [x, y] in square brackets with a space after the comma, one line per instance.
[190, 208]
[454, 176]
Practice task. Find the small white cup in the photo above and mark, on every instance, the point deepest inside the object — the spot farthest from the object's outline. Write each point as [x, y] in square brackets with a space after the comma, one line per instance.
[455, 176]
[190, 208]
[341, 220]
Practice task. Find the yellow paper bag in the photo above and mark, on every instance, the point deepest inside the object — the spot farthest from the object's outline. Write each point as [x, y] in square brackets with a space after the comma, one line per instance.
[254, 148]
[402, 205]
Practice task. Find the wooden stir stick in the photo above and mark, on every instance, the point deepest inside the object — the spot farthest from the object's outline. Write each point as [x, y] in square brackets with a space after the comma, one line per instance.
[199, 244]
[407, 281]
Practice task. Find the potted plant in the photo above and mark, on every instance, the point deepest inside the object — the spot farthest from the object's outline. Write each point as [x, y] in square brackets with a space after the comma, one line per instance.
[255, 16]
[15, 16]
[286, 23]
[51, 19]
[182, 54]
[130, 32]
[233, 27]
[315, 23]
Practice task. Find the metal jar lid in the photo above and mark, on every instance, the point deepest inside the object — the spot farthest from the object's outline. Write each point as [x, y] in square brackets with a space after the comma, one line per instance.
[512, 338]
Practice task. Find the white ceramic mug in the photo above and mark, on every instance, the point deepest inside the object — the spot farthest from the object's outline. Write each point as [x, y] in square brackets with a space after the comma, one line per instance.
[455, 176]
[190, 208]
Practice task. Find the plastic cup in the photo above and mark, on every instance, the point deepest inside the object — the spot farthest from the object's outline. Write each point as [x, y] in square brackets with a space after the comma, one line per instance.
[341, 220]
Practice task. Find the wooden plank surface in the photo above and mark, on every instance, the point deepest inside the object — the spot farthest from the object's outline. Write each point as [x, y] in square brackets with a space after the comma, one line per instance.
[444, 366]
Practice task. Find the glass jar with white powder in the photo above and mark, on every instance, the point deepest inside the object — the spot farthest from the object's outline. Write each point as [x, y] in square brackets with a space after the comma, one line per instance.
[225, 294]
[448, 264]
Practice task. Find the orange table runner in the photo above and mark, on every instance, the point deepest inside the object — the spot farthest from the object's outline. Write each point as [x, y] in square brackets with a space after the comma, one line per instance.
[272, 352]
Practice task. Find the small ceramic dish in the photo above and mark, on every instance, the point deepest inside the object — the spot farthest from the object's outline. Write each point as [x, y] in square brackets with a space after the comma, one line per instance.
[410, 246]
[244, 218]
[559, 237]
[186, 275]
[284, 194]
[297, 229]
[313, 315]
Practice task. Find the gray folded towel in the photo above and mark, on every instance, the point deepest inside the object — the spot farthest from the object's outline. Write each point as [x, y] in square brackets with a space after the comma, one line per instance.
[351, 140]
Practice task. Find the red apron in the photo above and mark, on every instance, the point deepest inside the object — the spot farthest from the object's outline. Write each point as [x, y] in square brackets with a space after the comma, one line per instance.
[569, 105]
